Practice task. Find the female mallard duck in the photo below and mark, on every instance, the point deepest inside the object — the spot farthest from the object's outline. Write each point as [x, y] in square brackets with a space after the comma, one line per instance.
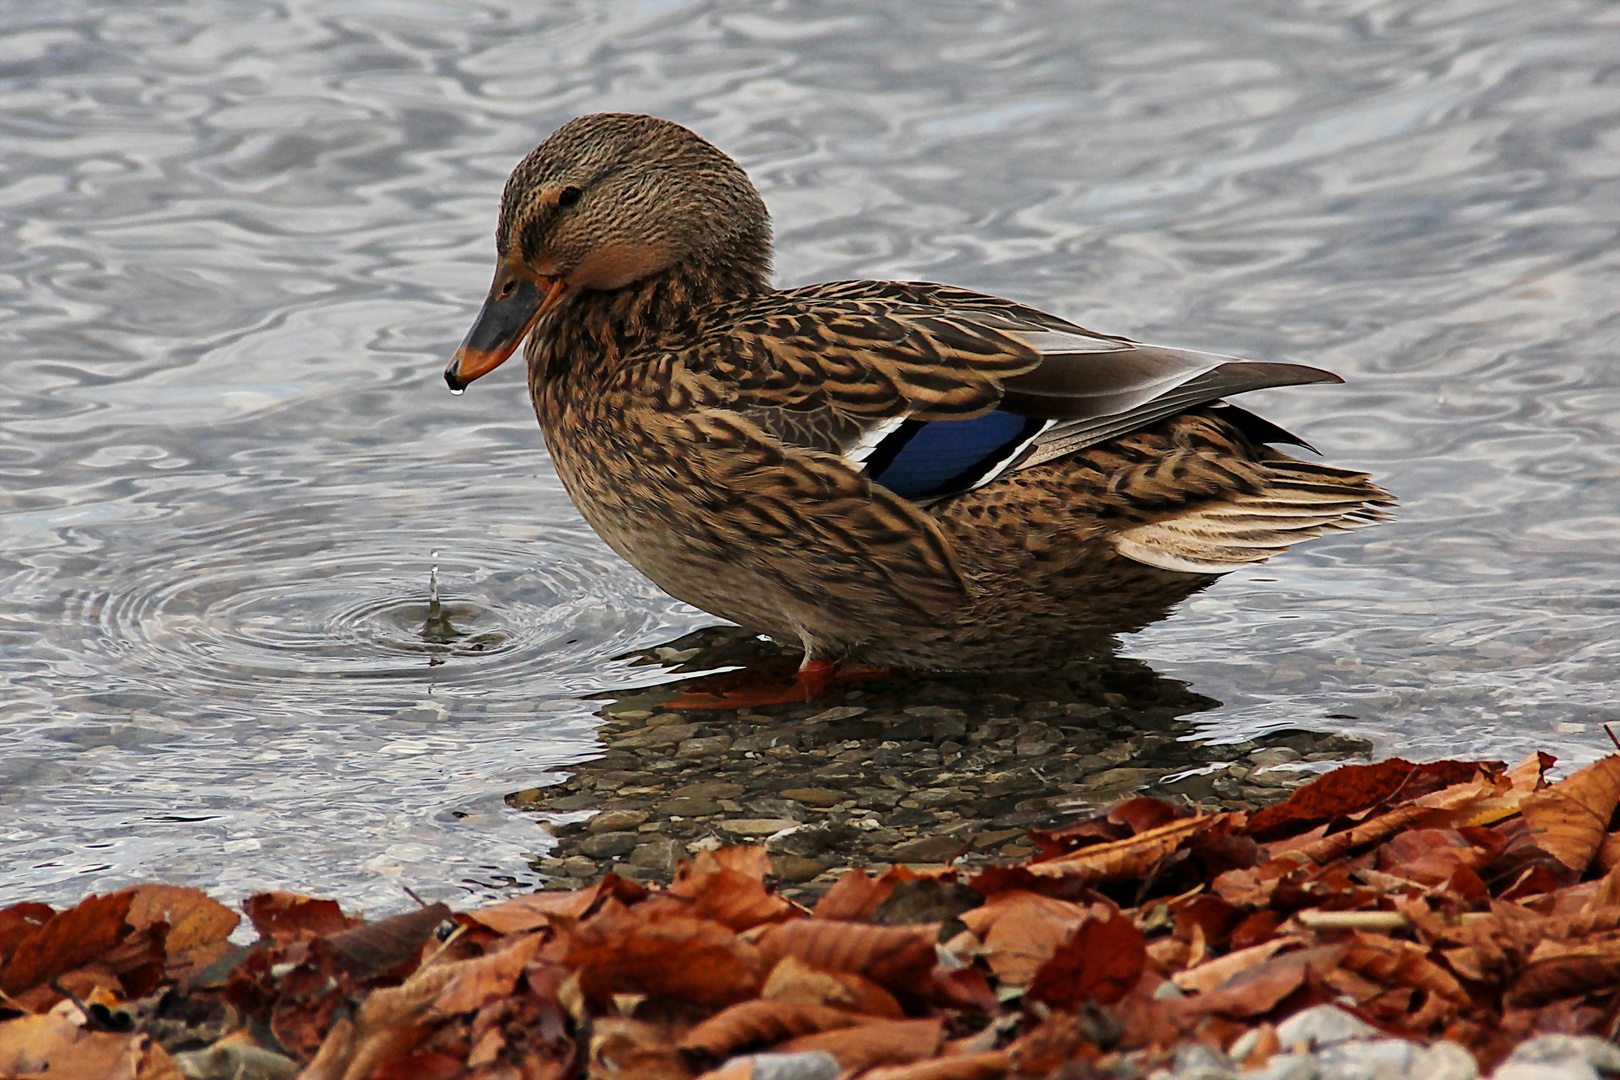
[893, 474]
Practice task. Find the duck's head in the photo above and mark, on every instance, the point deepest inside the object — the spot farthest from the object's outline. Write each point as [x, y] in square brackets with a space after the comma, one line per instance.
[608, 201]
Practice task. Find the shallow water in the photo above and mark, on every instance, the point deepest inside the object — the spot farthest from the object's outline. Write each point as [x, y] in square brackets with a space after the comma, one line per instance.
[241, 239]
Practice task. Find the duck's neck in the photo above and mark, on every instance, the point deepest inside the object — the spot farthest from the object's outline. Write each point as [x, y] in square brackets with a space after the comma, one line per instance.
[599, 329]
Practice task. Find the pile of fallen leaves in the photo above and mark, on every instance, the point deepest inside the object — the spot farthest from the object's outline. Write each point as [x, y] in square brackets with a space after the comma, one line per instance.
[1454, 900]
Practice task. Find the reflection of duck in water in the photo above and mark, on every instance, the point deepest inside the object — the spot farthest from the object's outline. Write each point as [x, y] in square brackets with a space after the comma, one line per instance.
[891, 474]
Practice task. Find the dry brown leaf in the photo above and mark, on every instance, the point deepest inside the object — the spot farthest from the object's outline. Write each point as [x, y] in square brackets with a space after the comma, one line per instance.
[728, 887]
[1100, 961]
[1211, 974]
[674, 956]
[476, 982]
[387, 1024]
[1135, 856]
[895, 957]
[983, 1066]
[623, 1048]
[1440, 808]
[1405, 965]
[68, 939]
[531, 911]
[194, 917]
[794, 980]
[156, 1064]
[1259, 989]
[388, 947]
[1021, 930]
[55, 1046]
[1608, 855]
[757, 1025]
[892, 1042]
[1570, 819]
[1353, 788]
[286, 917]
[1524, 779]
[17, 922]
[853, 897]
[1557, 970]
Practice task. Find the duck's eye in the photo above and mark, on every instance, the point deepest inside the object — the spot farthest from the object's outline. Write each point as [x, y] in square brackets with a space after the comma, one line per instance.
[568, 196]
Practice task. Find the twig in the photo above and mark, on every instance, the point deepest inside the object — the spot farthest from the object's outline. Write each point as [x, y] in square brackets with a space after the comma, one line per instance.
[1353, 920]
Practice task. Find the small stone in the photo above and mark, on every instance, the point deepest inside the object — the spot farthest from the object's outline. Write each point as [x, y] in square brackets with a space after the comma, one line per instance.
[629, 715]
[756, 826]
[822, 797]
[934, 712]
[704, 747]
[842, 712]
[706, 843]
[1557, 1049]
[1195, 1061]
[928, 849]
[615, 821]
[660, 854]
[656, 735]
[910, 816]
[709, 789]
[233, 1061]
[808, 841]
[1540, 1070]
[1168, 991]
[570, 803]
[579, 866]
[1273, 755]
[795, 868]
[797, 1065]
[1123, 778]
[665, 718]
[609, 845]
[770, 740]
[984, 841]
[1287, 1067]
[1323, 1025]
[688, 807]
[1445, 1061]
[532, 798]
[778, 808]
[1374, 1058]
[933, 798]
[876, 798]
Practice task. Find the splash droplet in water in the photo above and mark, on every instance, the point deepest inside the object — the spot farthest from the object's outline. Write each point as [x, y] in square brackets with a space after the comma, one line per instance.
[437, 629]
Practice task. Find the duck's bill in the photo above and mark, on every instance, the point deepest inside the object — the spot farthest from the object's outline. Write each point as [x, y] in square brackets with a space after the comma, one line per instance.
[515, 303]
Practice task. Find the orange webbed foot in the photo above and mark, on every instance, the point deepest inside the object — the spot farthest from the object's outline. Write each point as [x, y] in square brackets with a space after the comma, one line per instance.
[813, 679]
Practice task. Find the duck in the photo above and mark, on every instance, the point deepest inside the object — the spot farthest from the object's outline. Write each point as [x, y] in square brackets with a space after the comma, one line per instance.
[886, 475]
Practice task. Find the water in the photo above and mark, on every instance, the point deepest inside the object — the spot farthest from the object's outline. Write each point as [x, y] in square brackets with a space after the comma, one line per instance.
[241, 239]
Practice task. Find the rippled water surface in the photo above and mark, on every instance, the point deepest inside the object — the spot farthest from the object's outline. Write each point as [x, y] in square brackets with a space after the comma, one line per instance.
[240, 240]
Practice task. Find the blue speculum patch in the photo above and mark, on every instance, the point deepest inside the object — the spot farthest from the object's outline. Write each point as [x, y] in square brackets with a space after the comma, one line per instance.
[936, 457]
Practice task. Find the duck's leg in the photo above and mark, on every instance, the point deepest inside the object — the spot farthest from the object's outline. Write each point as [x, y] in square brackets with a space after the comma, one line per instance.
[813, 680]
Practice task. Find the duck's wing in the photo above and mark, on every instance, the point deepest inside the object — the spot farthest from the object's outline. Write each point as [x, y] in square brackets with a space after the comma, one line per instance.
[932, 390]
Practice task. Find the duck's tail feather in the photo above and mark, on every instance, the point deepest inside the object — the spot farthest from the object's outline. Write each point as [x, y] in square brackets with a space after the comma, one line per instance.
[1294, 501]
